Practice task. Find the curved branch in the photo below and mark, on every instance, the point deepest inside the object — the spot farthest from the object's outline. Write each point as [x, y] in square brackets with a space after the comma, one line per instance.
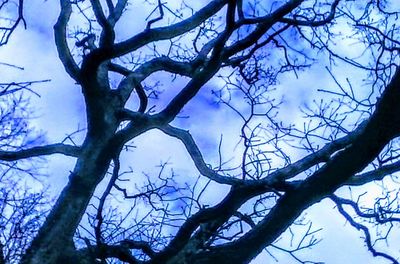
[59, 148]
[160, 17]
[167, 32]
[196, 156]
[60, 36]
[376, 216]
[219, 52]
[98, 12]
[312, 23]
[368, 240]
[274, 178]
[134, 78]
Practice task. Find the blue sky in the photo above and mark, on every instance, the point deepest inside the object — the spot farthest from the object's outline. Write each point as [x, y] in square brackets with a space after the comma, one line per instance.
[59, 111]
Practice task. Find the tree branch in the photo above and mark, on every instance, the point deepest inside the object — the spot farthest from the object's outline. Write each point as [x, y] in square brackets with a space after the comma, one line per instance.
[374, 175]
[382, 126]
[196, 156]
[134, 78]
[212, 217]
[322, 155]
[107, 34]
[168, 32]
[368, 240]
[67, 150]
[274, 178]
[7, 31]
[103, 251]
[263, 25]
[312, 23]
[99, 214]
[60, 35]
[117, 11]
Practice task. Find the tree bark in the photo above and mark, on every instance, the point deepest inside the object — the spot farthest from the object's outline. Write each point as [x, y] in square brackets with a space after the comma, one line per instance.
[54, 243]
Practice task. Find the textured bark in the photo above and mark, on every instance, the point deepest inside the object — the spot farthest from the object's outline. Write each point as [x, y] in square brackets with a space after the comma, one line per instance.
[54, 242]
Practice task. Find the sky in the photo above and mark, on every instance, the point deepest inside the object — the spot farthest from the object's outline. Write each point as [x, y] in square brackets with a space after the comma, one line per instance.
[59, 111]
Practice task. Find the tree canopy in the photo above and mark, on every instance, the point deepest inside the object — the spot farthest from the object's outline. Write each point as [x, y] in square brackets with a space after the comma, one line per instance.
[154, 66]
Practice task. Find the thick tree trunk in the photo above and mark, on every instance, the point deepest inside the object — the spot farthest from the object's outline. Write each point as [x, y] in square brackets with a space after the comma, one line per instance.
[54, 243]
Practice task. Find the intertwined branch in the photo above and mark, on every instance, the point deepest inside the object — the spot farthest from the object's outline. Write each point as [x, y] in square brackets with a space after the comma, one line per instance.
[250, 47]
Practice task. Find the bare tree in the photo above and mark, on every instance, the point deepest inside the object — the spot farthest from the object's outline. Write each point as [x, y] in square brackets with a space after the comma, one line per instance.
[348, 139]
[22, 209]
[22, 213]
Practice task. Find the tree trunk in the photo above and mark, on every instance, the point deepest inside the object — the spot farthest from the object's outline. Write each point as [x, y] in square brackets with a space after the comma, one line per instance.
[54, 243]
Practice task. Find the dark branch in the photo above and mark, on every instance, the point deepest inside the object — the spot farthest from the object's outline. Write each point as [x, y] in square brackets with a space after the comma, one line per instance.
[60, 35]
[67, 150]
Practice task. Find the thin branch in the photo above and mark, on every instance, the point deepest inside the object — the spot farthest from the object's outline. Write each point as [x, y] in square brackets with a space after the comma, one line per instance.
[99, 215]
[368, 240]
[312, 23]
[7, 31]
[195, 154]
[160, 17]
[322, 155]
